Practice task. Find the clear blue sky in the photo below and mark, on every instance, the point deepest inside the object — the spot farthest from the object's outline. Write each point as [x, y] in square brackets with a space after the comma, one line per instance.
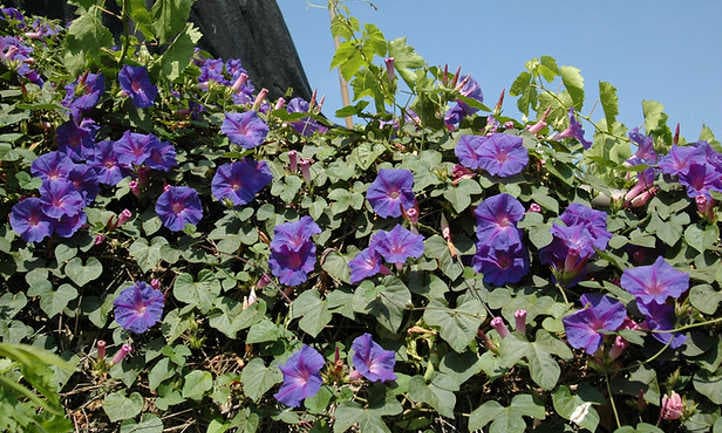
[669, 51]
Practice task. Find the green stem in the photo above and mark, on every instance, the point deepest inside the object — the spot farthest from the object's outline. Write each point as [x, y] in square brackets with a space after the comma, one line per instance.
[126, 30]
[650, 359]
[611, 400]
[563, 292]
[690, 326]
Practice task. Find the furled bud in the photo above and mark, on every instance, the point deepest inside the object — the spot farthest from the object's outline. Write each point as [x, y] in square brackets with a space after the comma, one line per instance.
[534, 207]
[672, 407]
[459, 172]
[155, 283]
[508, 124]
[305, 164]
[390, 71]
[618, 347]
[541, 123]
[124, 216]
[121, 354]
[260, 98]
[99, 239]
[675, 139]
[642, 191]
[292, 161]
[240, 81]
[705, 207]
[498, 324]
[101, 344]
[499, 103]
[520, 319]
[280, 103]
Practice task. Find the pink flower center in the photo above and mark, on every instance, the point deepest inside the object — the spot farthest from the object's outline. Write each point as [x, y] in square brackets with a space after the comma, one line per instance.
[177, 207]
[135, 85]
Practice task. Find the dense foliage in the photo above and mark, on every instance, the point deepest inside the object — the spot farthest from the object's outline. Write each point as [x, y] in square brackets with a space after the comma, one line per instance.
[204, 259]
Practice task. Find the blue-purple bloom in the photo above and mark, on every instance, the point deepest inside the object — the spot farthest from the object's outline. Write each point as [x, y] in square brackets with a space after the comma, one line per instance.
[366, 264]
[138, 307]
[82, 94]
[77, 139]
[135, 81]
[574, 131]
[52, 166]
[660, 317]
[308, 125]
[28, 220]
[656, 282]
[162, 155]
[178, 206]
[105, 160]
[293, 253]
[85, 180]
[66, 226]
[469, 88]
[593, 220]
[645, 153]
[499, 154]
[372, 361]
[508, 264]
[496, 219]
[600, 313]
[133, 148]
[679, 158]
[397, 245]
[245, 129]
[701, 179]
[391, 191]
[16, 56]
[60, 198]
[301, 377]
[240, 181]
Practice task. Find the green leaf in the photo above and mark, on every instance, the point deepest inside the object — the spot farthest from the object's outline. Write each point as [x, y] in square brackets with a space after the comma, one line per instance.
[337, 266]
[178, 55]
[548, 68]
[196, 384]
[64, 253]
[161, 371]
[83, 274]
[84, 40]
[148, 424]
[406, 60]
[460, 195]
[705, 298]
[544, 370]
[54, 302]
[368, 419]
[263, 331]
[119, 407]
[149, 256]
[441, 399]
[313, 312]
[709, 385]
[169, 18]
[654, 116]
[385, 302]
[457, 326]
[506, 419]
[574, 408]
[610, 103]
[701, 237]
[201, 292]
[574, 83]
[257, 379]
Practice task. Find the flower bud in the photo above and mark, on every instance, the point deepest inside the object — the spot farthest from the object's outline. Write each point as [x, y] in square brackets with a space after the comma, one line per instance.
[534, 207]
[541, 123]
[459, 172]
[280, 103]
[675, 139]
[508, 124]
[305, 164]
[167, 187]
[705, 207]
[456, 77]
[499, 103]
[520, 318]
[672, 407]
[155, 283]
[99, 239]
[498, 324]
[101, 344]
[260, 98]
[124, 216]
[292, 160]
[618, 347]
[239, 83]
[390, 71]
[121, 354]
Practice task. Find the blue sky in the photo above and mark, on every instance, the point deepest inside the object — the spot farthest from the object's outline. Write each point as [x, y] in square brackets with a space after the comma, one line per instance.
[665, 50]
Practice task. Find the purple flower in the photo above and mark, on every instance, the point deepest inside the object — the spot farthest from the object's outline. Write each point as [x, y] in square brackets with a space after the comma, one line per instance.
[85, 180]
[574, 130]
[465, 151]
[593, 220]
[645, 153]
[366, 264]
[135, 81]
[16, 56]
[468, 88]
[212, 70]
[600, 313]
[454, 116]
[505, 265]
[110, 170]
[679, 159]
[77, 139]
[301, 377]
[700, 179]
[60, 198]
[240, 181]
[28, 220]
[390, 191]
[66, 226]
[82, 94]
[245, 129]
[138, 307]
[372, 361]
[656, 282]
[133, 148]
[308, 125]
[162, 155]
[11, 13]
[569, 253]
[294, 235]
[397, 245]
[52, 166]
[660, 317]
[178, 206]
[496, 219]
[499, 154]
[292, 266]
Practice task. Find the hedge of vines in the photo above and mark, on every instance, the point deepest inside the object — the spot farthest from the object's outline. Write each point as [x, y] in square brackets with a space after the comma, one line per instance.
[178, 252]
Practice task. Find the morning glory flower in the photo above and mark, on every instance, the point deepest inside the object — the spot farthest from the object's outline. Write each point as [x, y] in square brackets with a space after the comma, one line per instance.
[469, 88]
[77, 139]
[60, 198]
[574, 131]
[245, 129]
[645, 153]
[178, 206]
[501, 155]
[656, 282]
[135, 81]
[85, 180]
[700, 179]
[600, 313]
[162, 155]
[496, 219]
[138, 307]
[366, 264]
[594, 221]
[465, 151]
[301, 377]
[292, 266]
[372, 361]
[397, 245]
[133, 148]
[569, 253]
[240, 181]
[679, 158]
[66, 226]
[52, 166]
[390, 191]
[306, 126]
[28, 220]
[294, 235]
[110, 170]
[660, 317]
[82, 94]
[505, 265]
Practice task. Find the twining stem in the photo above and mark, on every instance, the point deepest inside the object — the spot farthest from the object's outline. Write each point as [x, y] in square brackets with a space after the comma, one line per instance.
[342, 81]
[611, 400]
[126, 30]
[685, 327]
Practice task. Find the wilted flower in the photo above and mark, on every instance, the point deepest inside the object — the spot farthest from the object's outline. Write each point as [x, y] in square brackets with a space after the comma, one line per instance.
[28, 220]
[390, 191]
[600, 313]
[371, 360]
[397, 245]
[240, 181]
[178, 206]
[162, 155]
[672, 407]
[66, 226]
[135, 81]
[245, 129]
[138, 307]
[301, 377]
[643, 191]
[574, 130]
[618, 347]
[655, 283]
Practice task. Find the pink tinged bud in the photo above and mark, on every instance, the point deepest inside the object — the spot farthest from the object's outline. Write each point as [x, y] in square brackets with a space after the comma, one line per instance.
[155, 283]
[101, 349]
[500, 102]
[672, 407]
[121, 354]
[33, 35]
[534, 207]
[312, 102]
[705, 207]
[459, 172]
[99, 239]
[166, 188]
[498, 324]
[412, 214]
[124, 216]
[321, 102]
[354, 375]
[675, 139]
[459, 87]
[508, 124]
[263, 281]
[630, 324]
[240, 81]
[383, 270]
[520, 319]
[336, 355]
[541, 123]
[445, 75]
[390, 71]
[292, 160]
[305, 164]
[456, 77]
[260, 98]
[619, 346]
[279, 104]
